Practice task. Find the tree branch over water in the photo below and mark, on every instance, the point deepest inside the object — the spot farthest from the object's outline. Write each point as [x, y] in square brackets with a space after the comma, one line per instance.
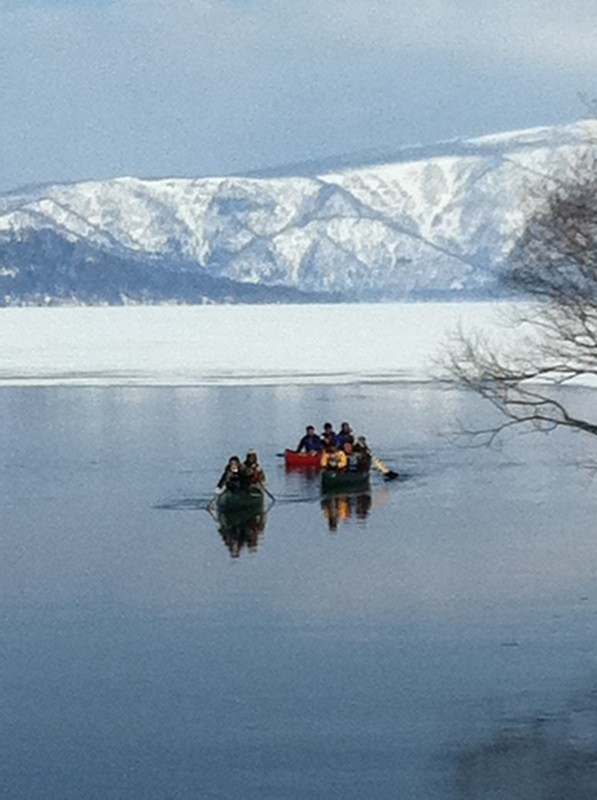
[554, 266]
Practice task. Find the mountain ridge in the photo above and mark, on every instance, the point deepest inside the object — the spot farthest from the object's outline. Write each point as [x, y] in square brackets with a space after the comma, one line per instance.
[430, 227]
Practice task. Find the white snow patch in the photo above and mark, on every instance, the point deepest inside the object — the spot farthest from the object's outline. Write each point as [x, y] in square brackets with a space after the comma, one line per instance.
[228, 345]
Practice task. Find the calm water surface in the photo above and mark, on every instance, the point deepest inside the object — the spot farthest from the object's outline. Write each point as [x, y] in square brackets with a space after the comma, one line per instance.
[435, 638]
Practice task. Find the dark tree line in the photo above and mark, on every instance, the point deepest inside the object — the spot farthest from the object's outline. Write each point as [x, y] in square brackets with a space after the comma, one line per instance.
[43, 266]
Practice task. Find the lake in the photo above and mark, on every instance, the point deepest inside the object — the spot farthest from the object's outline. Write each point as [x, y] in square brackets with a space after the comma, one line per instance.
[435, 638]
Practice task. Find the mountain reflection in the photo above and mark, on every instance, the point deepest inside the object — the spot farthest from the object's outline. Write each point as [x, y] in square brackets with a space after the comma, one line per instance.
[241, 531]
[337, 508]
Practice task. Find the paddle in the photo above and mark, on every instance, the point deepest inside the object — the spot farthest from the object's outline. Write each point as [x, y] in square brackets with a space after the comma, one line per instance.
[383, 469]
[210, 506]
[267, 491]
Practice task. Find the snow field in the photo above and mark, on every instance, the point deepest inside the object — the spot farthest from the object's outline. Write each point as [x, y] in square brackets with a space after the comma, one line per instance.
[237, 344]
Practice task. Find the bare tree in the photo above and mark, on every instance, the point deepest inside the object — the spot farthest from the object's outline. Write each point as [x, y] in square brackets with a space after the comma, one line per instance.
[554, 266]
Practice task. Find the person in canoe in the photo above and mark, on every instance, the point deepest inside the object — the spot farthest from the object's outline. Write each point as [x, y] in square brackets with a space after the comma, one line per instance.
[234, 478]
[310, 443]
[329, 435]
[354, 463]
[361, 449]
[253, 471]
[345, 435]
[333, 458]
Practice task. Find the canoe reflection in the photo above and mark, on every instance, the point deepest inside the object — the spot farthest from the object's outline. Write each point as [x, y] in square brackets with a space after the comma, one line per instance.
[338, 508]
[240, 531]
[308, 474]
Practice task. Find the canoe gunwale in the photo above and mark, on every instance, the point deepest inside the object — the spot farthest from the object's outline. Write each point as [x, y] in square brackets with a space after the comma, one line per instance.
[294, 460]
[252, 499]
[342, 481]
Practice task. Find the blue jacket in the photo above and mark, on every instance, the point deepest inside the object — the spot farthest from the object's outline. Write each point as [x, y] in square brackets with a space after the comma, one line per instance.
[312, 444]
[332, 439]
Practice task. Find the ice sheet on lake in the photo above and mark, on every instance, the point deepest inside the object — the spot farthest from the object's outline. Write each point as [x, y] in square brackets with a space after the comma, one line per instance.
[227, 345]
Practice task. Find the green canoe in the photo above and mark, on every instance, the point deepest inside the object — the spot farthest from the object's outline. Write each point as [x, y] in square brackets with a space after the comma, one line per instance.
[250, 499]
[332, 481]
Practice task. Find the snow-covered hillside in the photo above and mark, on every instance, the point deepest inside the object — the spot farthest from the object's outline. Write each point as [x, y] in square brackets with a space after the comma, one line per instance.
[429, 222]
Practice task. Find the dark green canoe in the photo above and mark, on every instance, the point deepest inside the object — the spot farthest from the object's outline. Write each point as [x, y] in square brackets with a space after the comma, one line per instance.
[332, 481]
[249, 499]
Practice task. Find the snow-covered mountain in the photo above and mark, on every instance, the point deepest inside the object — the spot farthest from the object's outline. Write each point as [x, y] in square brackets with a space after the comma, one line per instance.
[425, 222]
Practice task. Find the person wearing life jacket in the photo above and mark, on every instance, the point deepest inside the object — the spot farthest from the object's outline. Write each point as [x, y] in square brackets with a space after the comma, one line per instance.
[253, 471]
[361, 448]
[333, 459]
[329, 436]
[353, 460]
[345, 434]
[234, 477]
[310, 443]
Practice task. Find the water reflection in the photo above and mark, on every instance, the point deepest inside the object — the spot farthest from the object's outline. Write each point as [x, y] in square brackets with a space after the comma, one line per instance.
[306, 477]
[241, 531]
[337, 508]
[309, 473]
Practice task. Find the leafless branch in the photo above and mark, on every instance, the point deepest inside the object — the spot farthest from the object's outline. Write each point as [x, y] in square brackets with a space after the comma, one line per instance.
[554, 264]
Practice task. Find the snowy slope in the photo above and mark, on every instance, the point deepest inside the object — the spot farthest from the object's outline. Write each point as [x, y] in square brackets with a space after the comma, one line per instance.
[423, 222]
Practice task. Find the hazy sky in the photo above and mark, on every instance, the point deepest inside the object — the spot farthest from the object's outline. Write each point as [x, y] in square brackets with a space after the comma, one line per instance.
[101, 88]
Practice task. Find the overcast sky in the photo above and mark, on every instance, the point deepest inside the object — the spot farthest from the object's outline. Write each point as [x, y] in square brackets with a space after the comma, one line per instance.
[101, 88]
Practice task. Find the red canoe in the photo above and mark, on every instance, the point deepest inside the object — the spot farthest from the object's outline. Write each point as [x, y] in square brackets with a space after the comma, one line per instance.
[302, 460]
